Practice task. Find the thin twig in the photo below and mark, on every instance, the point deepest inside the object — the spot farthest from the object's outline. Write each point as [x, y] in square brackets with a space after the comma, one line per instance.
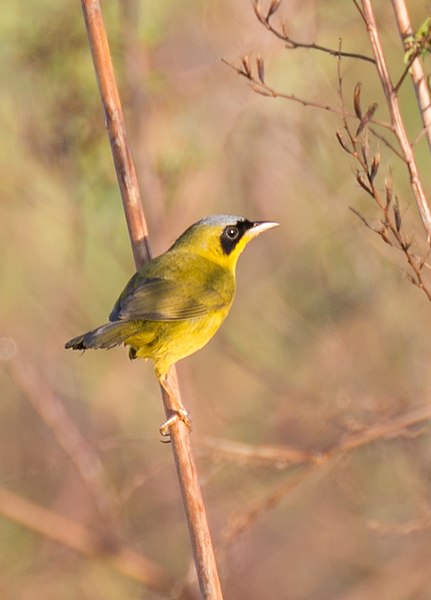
[52, 412]
[280, 456]
[419, 136]
[404, 74]
[264, 89]
[73, 535]
[387, 143]
[396, 118]
[114, 120]
[292, 44]
[356, 143]
[203, 552]
[241, 453]
[245, 519]
[283, 456]
[416, 69]
[390, 227]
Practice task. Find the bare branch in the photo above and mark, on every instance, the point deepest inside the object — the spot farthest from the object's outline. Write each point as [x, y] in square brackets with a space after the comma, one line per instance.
[287, 456]
[51, 411]
[406, 70]
[391, 230]
[265, 90]
[292, 44]
[396, 118]
[73, 535]
[363, 219]
[186, 470]
[387, 143]
[419, 136]
[414, 66]
[248, 517]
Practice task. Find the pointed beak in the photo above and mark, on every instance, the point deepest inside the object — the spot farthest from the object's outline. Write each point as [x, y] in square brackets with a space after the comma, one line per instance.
[259, 227]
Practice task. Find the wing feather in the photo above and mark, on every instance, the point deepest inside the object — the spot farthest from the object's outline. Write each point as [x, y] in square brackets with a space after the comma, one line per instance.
[161, 299]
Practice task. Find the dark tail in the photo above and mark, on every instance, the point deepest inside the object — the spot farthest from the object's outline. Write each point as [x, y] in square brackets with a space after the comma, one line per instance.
[107, 336]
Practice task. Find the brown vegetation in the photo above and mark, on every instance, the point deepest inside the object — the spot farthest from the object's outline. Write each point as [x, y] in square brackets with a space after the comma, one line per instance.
[311, 406]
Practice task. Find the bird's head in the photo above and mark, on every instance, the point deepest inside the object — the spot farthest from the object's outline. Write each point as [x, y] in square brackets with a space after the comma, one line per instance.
[221, 238]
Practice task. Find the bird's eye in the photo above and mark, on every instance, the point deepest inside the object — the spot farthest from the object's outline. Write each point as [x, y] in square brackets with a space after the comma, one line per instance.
[231, 233]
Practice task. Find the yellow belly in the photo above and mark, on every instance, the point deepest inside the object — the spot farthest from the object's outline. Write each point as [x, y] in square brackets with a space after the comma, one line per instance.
[167, 342]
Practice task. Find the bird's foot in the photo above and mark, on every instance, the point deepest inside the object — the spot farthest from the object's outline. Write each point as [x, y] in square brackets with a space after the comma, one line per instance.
[180, 414]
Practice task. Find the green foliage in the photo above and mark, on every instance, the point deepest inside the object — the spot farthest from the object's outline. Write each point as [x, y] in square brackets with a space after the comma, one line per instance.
[418, 44]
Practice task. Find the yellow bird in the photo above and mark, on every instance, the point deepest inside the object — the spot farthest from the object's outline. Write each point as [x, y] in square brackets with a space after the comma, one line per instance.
[175, 303]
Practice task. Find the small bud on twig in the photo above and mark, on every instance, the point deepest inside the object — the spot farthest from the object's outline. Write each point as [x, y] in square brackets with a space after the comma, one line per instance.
[284, 29]
[374, 166]
[411, 278]
[245, 61]
[357, 100]
[260, 68]
[366, 118]
[360, 179]
[388, 187]
[383, 234]
[273, 7]
[397, 215]
[342, 142]
[365, 147]
[363, 219]
[256, 88]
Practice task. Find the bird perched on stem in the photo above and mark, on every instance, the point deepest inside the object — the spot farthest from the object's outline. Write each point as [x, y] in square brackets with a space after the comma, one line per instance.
[175, 303]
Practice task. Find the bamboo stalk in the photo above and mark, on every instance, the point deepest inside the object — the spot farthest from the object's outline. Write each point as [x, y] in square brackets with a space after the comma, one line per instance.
[203, 552]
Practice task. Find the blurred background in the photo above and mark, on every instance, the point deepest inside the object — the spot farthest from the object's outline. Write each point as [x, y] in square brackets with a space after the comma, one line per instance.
[327, 338]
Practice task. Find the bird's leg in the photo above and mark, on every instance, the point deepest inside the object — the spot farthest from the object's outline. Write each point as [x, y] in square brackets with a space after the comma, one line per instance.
[170, 386]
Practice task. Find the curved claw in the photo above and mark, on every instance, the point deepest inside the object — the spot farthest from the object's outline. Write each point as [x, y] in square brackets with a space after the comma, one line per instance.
[179, 415]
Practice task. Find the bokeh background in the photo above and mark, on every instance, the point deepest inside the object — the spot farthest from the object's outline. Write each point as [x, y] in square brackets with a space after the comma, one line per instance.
[327, 338]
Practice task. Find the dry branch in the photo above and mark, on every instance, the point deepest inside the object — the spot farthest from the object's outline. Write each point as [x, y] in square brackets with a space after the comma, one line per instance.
[391, 96]
[291, 44]
[259, 86]
[390, 225]
[38, 393]
[357, 143]
[192, 497]
[415, 67]
[280, 456]
[72, 535]
[245, 519]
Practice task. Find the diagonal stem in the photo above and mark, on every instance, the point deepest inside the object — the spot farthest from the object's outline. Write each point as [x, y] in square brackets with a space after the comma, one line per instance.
[75, 536]
[416, 69]
[391, 96]
[203, 552]
[51, 411]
